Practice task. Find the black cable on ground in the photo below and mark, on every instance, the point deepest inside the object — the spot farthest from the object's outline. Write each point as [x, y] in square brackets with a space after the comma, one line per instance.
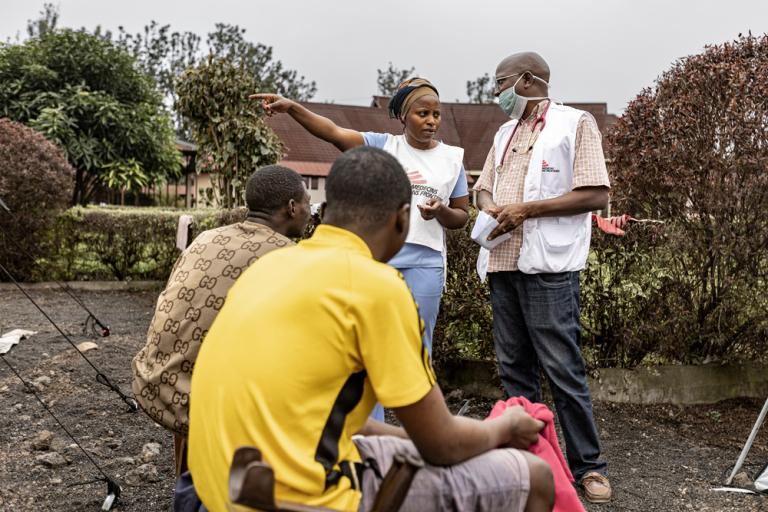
[101, 378]
[113, 489]
[65, 287]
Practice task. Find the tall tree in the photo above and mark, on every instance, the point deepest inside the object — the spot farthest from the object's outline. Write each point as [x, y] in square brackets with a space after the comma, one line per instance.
[46, 22]
[232, 139]
[88, 96]
[165, 54]
[481, 89]
[161, 53]
[388, 79]
[228, 41]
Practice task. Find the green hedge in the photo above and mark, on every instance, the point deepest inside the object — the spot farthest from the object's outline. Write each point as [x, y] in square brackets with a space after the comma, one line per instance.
[631, 312]
[98, 243]
[464, 327]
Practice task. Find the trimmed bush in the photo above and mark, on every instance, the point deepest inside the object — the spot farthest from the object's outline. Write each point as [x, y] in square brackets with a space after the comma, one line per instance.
[692, 151]
[621, 310]
[125, 243]
[36, 183]
[465, 325]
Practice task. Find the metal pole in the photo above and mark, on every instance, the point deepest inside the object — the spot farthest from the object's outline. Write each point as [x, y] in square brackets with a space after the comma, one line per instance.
[747, 446]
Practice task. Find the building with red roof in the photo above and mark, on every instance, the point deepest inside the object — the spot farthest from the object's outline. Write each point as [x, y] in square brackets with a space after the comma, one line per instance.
[467, 125]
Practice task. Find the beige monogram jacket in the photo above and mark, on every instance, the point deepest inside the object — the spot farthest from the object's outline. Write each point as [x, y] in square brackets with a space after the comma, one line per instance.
[192, 298]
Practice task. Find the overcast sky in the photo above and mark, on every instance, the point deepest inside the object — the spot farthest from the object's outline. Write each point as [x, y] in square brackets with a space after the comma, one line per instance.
[598, 50]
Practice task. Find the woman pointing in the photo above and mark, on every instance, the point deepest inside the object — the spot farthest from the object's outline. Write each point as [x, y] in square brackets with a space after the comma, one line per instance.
[438, 182]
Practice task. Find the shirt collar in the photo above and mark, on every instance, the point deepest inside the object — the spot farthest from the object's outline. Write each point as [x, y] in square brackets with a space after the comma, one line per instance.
[255, 225]
[536, 110]
[326, 235]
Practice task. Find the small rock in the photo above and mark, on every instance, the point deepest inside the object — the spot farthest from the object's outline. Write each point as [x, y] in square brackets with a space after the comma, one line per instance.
[24, 418]
[87, 346]
[42, 441]
[112, 443]
[42, 380]
[143, 473]
[130, 461]
[3, 389]
[456, 394]
[150, 452]
[52, 460]
[741, 480]
[59, 445]
[56, 481]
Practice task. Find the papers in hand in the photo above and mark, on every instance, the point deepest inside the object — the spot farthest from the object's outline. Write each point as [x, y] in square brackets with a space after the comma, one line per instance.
[483, 227]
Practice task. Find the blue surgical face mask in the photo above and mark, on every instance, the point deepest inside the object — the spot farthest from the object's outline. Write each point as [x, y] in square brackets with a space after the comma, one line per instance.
[512, 103]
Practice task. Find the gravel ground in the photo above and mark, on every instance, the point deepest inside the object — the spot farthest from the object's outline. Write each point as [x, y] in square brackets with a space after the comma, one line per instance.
[662, 458]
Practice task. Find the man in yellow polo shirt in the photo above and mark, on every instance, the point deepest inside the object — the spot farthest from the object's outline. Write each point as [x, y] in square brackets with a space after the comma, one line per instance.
[311, 337]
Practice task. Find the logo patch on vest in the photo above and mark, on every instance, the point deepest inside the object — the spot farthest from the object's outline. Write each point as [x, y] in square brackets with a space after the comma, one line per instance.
[545, 167]
[416, 178]
[419, 186]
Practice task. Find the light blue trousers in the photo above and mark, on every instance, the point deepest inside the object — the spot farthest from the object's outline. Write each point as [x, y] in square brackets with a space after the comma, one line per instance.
[426, 285]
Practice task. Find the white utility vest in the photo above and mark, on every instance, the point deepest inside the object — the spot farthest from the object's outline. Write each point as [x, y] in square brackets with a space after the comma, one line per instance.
[550, 244]
[433, 173]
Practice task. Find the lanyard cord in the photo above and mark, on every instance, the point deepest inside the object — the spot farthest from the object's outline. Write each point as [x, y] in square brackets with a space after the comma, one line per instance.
[541, 118]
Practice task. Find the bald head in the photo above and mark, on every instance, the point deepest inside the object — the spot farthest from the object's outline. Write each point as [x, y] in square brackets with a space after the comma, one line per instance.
[522, 62]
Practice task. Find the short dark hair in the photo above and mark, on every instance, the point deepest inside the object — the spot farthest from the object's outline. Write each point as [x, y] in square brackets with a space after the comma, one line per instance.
[365, 185]
[271, 187]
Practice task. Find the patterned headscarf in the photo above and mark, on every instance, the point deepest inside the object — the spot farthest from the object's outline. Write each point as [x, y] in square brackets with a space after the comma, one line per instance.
[407, 93]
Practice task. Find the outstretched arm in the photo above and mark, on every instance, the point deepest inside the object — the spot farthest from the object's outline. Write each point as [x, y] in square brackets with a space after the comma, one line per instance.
[319, 126]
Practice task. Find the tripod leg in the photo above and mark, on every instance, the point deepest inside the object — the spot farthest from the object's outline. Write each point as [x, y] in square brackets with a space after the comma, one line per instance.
[748, 445]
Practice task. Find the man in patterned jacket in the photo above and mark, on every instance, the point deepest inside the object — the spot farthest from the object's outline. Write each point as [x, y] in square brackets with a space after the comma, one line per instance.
[278, 209]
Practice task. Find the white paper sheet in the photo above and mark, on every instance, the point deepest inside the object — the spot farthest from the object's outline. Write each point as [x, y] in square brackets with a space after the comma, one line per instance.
[483, 227]
[12, 338]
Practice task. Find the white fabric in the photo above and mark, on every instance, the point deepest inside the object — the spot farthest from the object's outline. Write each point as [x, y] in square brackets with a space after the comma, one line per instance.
[761, 482]
[433, 174]
[550, 244]
[11, 338]
[182, 233]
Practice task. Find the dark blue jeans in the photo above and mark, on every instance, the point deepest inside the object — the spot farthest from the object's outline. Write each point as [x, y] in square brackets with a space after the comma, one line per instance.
[536, 325]
[185, 497]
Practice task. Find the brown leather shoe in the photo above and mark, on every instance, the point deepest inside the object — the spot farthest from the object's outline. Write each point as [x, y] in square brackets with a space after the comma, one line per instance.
[597, 489]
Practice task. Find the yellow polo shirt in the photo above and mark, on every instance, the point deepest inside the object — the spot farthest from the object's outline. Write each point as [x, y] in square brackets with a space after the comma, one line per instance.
[307, 341]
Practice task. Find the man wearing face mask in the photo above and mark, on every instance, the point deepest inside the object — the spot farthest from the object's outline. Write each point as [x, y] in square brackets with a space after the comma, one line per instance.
[543, 176]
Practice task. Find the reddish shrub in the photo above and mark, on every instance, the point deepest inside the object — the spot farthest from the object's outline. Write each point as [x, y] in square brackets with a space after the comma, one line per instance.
[36, 184]
[693, 151]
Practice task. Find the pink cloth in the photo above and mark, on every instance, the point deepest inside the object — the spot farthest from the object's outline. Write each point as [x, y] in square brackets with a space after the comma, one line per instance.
[548, 448]
[612, 225]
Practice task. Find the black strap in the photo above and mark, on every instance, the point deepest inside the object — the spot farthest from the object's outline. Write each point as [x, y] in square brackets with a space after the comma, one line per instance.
[354, 471]
[327, 452]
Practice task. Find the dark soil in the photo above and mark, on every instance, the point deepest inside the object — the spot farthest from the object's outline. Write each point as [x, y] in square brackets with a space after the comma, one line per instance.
[662, 458]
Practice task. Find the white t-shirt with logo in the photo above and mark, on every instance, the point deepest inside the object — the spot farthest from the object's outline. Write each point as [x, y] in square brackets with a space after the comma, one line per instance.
[412, 254]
